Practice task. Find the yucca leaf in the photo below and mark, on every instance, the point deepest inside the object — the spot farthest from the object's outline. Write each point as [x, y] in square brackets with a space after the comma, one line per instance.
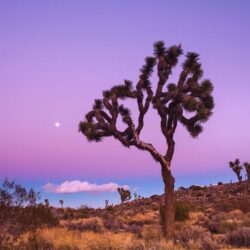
[159, 48]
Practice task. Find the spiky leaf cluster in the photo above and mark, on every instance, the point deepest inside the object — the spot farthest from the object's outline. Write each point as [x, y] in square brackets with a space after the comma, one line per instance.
[147, 68]
[91, 131]
[159, 49]
[172, 54]
[98, 104]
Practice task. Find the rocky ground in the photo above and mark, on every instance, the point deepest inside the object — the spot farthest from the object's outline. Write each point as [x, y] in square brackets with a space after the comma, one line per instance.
[209, 218]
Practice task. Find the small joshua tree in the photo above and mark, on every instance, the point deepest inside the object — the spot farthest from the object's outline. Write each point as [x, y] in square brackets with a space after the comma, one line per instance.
[236, 167]
[136, 196]
[106, 203]
[61, 202]
[188, 102]
[46, 202]
[247, 168]
[125, 195]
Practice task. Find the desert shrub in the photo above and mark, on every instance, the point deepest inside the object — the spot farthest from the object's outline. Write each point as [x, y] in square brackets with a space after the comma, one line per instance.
[222, 222]
[111, 223]
[155, 207]
[181, 211]
[208, 244]
[246, 222]
[141, 219]
[94, 224]
[137, 245]
[226, 206]
[52, 239]
[68, 213]
[19, 210]
[165, 245]
[151, 234]
[84, 211]
[196, 188]
[236, 214]
[110, 209]
[198, 218]
[9, 242]
[38, 216]
[122, 222]
[223, 227]
[20, 219]
[34, 241]
[239, 237]
[135, 229]
[111, 241]
[190, 237]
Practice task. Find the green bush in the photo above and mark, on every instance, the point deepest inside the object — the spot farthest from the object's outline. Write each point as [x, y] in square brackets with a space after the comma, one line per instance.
[110, 209]
[181, 211]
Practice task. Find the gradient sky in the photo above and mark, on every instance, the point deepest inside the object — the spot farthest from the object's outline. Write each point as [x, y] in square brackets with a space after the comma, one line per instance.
[56, 57]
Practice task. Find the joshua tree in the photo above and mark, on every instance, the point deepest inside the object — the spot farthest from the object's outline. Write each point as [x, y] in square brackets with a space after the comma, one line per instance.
[106, 203]
[188, 102]
[247, 168]
[136, 196]
[236, 167]
[46, 201]
[61, 202]
[32, 197]
[125, 195]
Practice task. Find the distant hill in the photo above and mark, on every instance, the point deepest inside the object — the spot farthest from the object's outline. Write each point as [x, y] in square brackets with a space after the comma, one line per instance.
[221, 197]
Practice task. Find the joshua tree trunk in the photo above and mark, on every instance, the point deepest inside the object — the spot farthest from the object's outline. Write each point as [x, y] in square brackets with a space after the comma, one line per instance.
[169, 215]
[204, 201]
[239, 177]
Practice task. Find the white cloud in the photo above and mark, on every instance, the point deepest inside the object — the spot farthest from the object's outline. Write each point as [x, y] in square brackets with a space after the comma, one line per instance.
[78, 186]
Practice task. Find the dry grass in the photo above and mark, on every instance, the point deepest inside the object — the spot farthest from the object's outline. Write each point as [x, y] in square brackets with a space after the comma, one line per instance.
[62, 238]
[92, 234]
[147, 218]
[84, 224]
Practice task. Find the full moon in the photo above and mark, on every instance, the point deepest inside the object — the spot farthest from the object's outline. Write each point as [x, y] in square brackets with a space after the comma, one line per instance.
[57, 124]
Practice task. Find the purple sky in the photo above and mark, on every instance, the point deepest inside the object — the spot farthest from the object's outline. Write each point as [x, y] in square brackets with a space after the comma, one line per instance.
[56, 57]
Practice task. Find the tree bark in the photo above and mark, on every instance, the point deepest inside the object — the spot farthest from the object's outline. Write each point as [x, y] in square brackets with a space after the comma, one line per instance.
[169, 199]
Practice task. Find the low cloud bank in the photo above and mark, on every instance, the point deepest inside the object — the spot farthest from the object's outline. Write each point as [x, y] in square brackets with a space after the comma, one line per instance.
[77, 186]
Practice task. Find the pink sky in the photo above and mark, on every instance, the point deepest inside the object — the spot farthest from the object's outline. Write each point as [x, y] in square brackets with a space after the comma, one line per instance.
[56, 58]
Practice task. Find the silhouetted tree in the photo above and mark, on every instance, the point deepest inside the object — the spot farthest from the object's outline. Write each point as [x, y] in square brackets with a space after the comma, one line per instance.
[136, 196]
[125, 195]
[33, 197]
[19, 210]
[46, 202]
[106, 203]
[247, 168]
[188, 102]
[61, 202]
[236, 167]
[15, 195]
